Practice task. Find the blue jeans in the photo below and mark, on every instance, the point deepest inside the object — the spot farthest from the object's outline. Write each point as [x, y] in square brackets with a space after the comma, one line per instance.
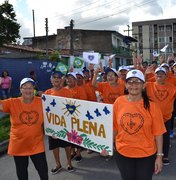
[5, 93]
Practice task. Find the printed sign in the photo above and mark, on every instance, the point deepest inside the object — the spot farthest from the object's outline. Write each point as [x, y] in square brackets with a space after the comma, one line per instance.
[84, 123]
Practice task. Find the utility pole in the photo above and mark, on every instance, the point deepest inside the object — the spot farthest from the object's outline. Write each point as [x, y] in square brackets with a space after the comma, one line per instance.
[128, 30]
[46, 27]
[71, 37]
[33, 22]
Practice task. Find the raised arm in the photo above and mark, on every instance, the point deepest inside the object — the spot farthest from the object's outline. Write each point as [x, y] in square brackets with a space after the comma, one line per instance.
[94, 79]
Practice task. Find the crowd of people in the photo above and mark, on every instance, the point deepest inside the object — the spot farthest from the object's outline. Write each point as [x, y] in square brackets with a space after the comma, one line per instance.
[143, 101]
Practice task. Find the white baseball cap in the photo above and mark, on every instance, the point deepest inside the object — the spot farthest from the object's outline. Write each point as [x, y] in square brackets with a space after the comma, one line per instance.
[72, 74]
[110, 69]
[80, 73]
[26, 80]
[135, 73]
[165, 65]
[123, 68]
[160, 69]
[174, 64]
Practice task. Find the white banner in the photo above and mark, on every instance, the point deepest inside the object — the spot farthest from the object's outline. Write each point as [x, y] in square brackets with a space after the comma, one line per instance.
[84, 123]
[91, 57]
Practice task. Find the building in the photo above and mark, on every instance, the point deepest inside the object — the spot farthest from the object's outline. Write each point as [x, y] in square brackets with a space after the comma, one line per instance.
[154, 35]
[102, 41]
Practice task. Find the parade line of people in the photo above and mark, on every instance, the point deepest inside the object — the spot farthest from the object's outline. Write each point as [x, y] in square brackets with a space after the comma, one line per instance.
[143, 100]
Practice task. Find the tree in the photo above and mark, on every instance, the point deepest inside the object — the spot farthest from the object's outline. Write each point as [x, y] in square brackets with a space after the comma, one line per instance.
[9, 28]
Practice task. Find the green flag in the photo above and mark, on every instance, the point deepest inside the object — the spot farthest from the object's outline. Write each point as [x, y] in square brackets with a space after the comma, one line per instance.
[62, 68]
[78, 62]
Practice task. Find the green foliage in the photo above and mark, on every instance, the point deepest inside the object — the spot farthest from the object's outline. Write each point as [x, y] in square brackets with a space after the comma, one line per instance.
[54, 56]
[9, 28]
[40, 56]
[4, 128]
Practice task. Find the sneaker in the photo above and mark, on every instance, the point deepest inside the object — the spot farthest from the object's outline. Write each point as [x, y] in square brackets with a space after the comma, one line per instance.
[70, 169]
[78, 158]
[56, 170]
[166, 162]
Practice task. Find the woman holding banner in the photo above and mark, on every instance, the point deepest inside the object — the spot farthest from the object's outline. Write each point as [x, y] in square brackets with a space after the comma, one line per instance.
[138, 129]
[26, 133]
[57, 81]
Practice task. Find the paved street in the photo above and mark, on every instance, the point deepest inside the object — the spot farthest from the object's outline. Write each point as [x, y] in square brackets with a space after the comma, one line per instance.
[93, 167]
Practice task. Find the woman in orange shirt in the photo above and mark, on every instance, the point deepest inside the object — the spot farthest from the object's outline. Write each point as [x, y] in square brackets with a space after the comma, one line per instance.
[164, 94]
[111, 89]
[138, 129]
[26, 133]
[57, 80]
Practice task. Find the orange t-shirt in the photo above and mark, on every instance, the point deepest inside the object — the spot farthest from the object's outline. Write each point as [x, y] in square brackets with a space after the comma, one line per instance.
[121, 81]
[110, 93]
[171, 79]
[136, 127]
[91, 91]
[164, 96]
[63, 92]
[26, 132]
[77, 92]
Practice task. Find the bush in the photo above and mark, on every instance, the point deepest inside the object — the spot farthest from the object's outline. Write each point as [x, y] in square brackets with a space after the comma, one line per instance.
[4, 128]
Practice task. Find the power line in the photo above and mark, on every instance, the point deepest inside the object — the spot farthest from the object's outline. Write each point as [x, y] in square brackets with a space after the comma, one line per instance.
[123, 10]
[105, 4]
[63, 14]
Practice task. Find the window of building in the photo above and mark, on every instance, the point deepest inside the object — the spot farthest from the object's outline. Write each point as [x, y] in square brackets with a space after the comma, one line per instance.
[161, 39]
[168, 39]
[174, 39]
[155, 28]
[140, 29]
[150, 28]
[168, 28]
[174, 27]
[161, 28]
[155, 40]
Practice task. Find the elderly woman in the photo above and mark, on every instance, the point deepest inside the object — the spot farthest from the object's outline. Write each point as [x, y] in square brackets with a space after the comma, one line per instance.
[26, 133]
[138, 129]
[111, 89]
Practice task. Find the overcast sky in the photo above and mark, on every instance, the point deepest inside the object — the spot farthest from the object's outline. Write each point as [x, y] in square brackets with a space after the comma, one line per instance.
[88, 14]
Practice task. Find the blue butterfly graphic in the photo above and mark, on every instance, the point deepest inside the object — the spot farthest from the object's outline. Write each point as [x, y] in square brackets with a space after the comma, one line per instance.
[43, 98]
[53, 103]
[47, 109]
[97, 112]
[89, 116]
[105, 109]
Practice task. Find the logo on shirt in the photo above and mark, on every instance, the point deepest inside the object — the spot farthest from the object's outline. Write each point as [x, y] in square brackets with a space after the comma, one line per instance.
[132, 123]
[29, 118]
[161, 95]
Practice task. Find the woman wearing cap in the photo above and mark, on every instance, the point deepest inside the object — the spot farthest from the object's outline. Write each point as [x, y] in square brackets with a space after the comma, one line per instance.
[111, 89]
[164, 94]
[138, 129]
[57, 80]
[26, 133]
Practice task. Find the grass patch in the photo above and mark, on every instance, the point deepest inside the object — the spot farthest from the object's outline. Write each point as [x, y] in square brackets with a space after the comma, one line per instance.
[4, 128]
